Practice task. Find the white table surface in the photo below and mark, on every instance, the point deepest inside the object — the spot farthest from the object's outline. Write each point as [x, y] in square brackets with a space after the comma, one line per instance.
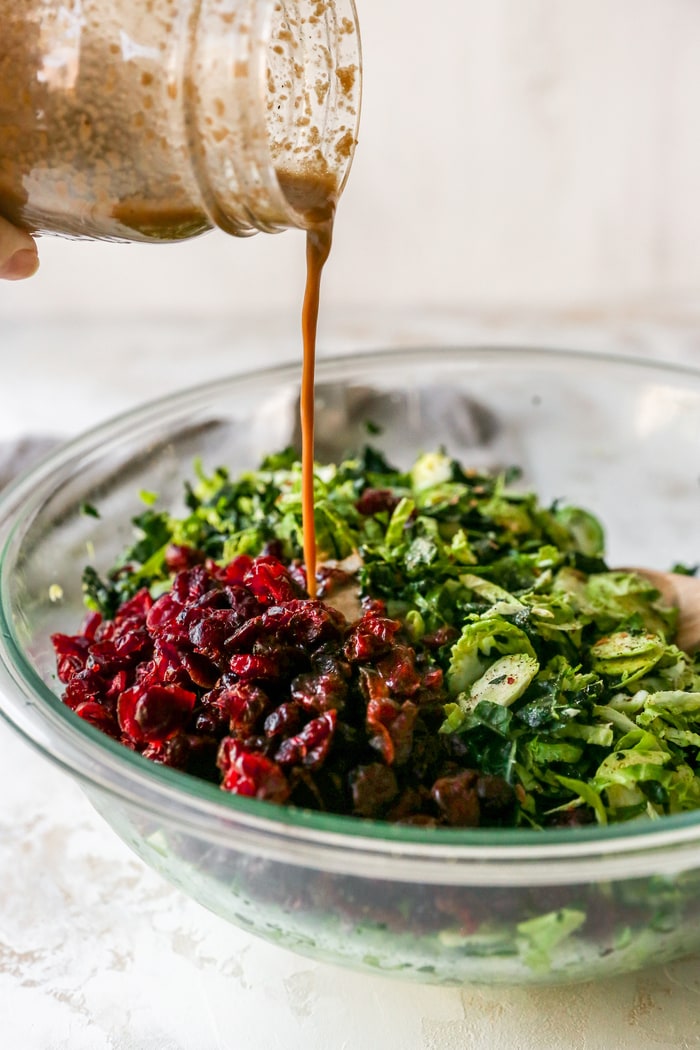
[96, 952]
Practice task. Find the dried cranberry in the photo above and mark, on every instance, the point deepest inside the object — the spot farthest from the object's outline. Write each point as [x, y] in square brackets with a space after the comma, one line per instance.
[390, 726]
[119, 683]
[211, 722]
[411, 801]
[192, 584]
[310, 747]
[98, 717]
[373, 606]
[72, 652]
[398, 669]
[194, 754]
[373, 788]
[208, 631]
[273, 549]
[237, 570]
[91, 624]
[245, 705]
[457, 799]
[373, 636]
[173, 752]
[179, 558]
[250, 774]
[200, 608]
[328, 659]
[443, 636]
[270, 581]
[155, 713]
[496, 798]
[320, 692]
[375, 501]
[106, 631]
[373, 685]
[163, 612]
[201, 671]
[137, 607]
[134, 643]
[297, 574]
[271, 622]
[432, 680]
[84, 685]
[243, 603]
[167, 663]
[572, 817]
[255, 668]
[283, 721]
[419, 820]
[302, 623]
[105, 659]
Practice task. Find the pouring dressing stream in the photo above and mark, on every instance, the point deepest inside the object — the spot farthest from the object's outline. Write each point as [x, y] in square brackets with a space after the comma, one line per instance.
[315, 197]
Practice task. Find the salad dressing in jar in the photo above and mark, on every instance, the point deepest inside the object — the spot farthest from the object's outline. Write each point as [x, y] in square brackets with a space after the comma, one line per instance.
[160, 120]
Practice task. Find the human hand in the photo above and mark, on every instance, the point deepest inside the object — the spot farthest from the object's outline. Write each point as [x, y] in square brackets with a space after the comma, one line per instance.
[18, 254]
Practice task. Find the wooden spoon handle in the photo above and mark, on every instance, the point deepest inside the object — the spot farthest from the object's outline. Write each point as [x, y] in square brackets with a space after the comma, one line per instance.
[682, 592]
[688, 601]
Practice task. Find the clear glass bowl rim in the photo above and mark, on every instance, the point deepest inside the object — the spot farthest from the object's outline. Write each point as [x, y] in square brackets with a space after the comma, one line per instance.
[33, 710]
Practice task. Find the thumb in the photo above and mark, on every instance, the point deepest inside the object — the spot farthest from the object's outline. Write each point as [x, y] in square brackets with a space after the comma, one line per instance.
[18, 254]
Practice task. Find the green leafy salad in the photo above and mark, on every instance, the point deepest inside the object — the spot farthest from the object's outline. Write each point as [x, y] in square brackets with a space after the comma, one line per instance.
[559, 674]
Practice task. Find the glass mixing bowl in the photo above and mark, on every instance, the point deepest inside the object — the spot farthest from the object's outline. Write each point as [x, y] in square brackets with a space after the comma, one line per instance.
[452, 906]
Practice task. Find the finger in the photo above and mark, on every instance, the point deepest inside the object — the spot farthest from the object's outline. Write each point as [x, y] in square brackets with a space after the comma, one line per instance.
[18, 254]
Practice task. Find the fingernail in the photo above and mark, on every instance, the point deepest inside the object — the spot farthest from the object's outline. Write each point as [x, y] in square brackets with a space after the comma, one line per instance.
[22, 264]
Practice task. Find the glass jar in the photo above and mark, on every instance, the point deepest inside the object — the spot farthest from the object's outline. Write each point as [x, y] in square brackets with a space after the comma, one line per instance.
[156, 120]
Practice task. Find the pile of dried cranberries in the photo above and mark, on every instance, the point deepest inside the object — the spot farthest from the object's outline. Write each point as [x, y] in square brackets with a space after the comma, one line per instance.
[235, 676]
